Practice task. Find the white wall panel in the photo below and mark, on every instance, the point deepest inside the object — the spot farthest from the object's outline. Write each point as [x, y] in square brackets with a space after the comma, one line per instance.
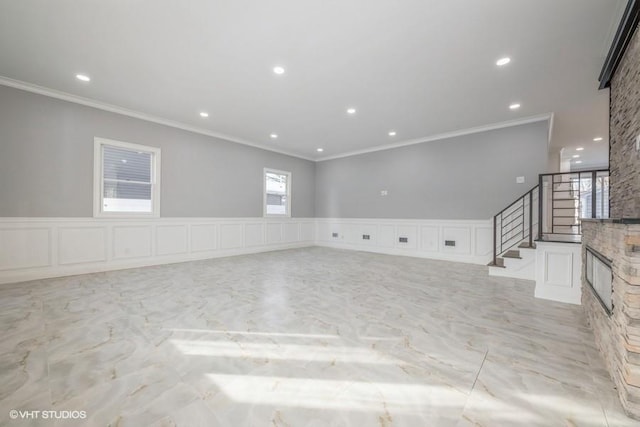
[462, 238]
[254, 234]
[291, 231]
[425, 237]
[231, 236]
[429, 238]
[171, 239]
[131, 242]
[386, 235]
[203, 237]
[558, 270]
[24, 248]
[78, 245]
[274, 233]
[307, 231]
[409, 232]
[484, 241]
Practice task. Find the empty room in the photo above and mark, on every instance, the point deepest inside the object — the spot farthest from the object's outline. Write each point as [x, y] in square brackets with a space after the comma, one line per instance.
[416, 213]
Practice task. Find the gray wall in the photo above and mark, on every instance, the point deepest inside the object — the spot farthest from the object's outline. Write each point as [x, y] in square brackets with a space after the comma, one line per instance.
[46, 163]
[467, 177]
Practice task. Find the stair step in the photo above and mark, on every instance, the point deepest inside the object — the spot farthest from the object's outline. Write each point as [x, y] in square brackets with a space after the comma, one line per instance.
[526, 245]
[512, 254]
[499, 263]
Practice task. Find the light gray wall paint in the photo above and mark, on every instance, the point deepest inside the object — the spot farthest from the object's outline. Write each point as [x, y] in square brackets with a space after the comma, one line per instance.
[467, 177]
[46, 163]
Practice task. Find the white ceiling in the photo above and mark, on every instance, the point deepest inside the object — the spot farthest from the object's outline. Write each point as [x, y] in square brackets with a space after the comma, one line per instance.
[420, 67]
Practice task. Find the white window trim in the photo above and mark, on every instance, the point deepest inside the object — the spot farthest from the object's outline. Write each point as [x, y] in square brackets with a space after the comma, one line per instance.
[98, 183]
[264, 193]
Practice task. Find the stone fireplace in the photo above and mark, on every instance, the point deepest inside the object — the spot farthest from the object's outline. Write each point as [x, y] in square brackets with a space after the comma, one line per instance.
[616, 241]
[618, 332]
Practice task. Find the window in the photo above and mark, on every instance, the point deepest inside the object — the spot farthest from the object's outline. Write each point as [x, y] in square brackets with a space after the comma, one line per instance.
[277, 193]
[126, 179]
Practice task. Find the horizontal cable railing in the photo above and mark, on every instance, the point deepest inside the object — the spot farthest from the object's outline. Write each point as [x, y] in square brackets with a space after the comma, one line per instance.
[515, 223]
[566, 198]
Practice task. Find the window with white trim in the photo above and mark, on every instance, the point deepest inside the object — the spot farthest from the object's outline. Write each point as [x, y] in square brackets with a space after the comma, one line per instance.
[277, 193]
[126, 179]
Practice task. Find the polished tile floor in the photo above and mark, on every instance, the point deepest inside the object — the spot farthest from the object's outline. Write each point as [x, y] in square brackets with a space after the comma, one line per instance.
[308, 337]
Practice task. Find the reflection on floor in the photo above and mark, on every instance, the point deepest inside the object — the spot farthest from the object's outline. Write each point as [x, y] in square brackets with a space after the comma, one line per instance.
[308, 337]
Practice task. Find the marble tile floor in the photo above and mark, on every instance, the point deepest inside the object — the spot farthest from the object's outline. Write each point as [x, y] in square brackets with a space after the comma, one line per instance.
[305, 337]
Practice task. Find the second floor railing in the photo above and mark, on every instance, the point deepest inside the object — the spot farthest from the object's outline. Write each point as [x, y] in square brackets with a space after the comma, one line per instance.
[569, 196]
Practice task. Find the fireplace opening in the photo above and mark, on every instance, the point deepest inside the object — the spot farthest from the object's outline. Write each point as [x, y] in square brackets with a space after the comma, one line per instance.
[599, 276]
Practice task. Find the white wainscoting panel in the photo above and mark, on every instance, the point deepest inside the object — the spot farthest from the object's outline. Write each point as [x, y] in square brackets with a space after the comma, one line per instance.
[132, 241]
[291, 232]
[558, 269]
[171, 239]
[425, 238]
[24, 247]
[204, 237]
[254, 234]
[77, 245]
[274, 233]
[36, 248]
[231, 236]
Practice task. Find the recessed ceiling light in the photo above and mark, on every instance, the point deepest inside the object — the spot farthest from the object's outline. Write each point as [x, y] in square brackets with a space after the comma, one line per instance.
[578, 162]
[278, 70]
[351, 110]
[392, 133]
[503, 61]
[274, 136]
[575, 156]
[514, 106]
[204, 114]
[579, 148]
[597, 139]
[319, 150]
[83, 77]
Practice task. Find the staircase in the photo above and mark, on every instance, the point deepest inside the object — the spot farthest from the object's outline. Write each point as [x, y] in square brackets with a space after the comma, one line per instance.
[550, 212]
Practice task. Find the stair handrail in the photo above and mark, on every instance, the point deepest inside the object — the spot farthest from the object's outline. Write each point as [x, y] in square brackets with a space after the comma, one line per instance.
[520, 199]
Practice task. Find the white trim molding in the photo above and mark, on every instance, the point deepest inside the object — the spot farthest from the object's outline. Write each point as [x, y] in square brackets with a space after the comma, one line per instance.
[467, 241]
[38, 248]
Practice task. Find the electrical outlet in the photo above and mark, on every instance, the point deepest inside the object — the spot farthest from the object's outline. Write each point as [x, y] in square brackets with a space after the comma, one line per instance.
[520, 180]
[366, 237]
[384, 192]
[404, 240]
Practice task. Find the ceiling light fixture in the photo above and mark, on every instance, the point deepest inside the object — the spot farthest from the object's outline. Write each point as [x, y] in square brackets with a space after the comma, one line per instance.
[514, 106]
[204, 114]
[579, 148]
[351, 110]
[83, 77]
[503, 61]
[575, 156]
[319, 150]
[274, 136]
[597, 139]
[578, 162]
[278, 70]
[392, 133]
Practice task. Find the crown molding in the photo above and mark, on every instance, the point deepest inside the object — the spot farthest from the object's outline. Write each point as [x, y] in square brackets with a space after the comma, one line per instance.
[64, 96]
[446, 135]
